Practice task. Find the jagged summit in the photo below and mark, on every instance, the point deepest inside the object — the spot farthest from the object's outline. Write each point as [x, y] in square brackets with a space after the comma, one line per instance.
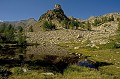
[57, 13]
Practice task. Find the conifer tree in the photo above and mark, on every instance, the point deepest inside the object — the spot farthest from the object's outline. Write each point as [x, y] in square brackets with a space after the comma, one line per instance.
[88, 26]
[30, 29]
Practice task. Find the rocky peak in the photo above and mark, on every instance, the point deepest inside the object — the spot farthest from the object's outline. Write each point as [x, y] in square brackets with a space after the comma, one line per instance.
[56, 16]
[57, 13]
[57, 6]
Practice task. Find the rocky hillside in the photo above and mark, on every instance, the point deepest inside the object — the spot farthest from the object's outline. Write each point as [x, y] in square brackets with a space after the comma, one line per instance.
[99, 34]
[97, 30]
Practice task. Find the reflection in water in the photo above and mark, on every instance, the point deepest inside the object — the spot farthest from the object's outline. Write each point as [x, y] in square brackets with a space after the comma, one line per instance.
[87, 63]
[47, 58]
[50, 58]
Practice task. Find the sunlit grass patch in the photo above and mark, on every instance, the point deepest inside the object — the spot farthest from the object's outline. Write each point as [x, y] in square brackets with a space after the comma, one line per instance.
[77, 72]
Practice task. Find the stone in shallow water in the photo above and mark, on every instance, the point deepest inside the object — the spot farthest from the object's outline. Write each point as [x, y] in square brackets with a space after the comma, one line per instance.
[76, 47]
[47, 73]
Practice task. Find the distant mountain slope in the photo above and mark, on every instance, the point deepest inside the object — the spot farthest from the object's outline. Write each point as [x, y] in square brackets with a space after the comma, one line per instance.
[108, 16]
[22, 23]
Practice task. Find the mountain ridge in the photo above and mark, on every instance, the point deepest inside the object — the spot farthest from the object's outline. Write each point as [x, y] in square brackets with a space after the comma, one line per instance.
[61, 21]
[58, 18]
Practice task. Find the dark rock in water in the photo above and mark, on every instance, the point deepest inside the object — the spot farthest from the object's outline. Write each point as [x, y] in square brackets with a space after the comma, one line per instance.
[21, 57]
[87, 63]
